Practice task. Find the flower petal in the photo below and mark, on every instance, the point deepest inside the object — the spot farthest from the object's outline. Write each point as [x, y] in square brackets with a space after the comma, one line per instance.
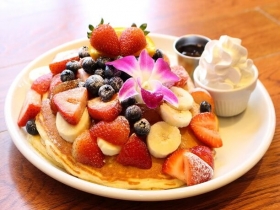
[128, 64]
[128, 89]
[146, 64]
[151, 99]
[169, 96]
[163, 73]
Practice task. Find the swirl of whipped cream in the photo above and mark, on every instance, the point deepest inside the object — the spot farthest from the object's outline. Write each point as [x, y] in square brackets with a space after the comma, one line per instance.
[224, 64]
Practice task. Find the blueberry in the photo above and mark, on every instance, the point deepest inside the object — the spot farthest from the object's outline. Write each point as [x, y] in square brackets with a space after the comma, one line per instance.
[99, 72]
[73, 65]
[101, 62]
[108, 72]
[93, 83]
[83, 52]
[89, 65]
[67, 75]
[158, 54]
[116, 83]
[106, 92]
[133, 113]
[128, 102]
[205, 107]
[31, 127]
[142, 127]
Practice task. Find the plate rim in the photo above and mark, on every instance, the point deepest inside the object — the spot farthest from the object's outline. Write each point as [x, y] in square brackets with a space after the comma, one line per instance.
[123, 194]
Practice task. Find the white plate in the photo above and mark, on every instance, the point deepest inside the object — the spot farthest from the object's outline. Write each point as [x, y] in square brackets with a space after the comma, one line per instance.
[246, 137]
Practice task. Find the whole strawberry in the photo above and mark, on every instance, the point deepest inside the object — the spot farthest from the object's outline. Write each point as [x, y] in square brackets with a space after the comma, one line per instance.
[133, 39]
[104, 39]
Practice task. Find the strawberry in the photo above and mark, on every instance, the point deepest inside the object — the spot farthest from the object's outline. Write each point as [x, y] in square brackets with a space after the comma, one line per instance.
[30, 108]
[59, 62]
[196, 170]
[115, 132]
[55, 81]
[42, 84]
[71, 104]
[100, 110]
[205, 153]
[174, 164]
[132, 40]
[200, 95]
[82, 74]
[85, 150]
[182, 74]
[205, 127]
[104, 39]
[135, 153]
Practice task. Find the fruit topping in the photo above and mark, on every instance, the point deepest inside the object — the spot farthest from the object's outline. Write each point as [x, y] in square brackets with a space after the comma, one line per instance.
[199, 95]
[104, 39]
[67, 75]
[205, 107]
[133, 39]
[93, 83]
[182, 74]
[205, 153]
[106, 92]
[71, 104]
[83, 52]
[196, 170]
[115, 132]
[116, 82]
[85, 150]
[42, 83]
[31, 127]
[142, 127]
[59, 62]
[133, 113]
[107, 148]
[30, 108]
[89, 65]
[205, 127]
[101, 110]
[73, 65]
[174, 164]
[135, 153]
[163, 139]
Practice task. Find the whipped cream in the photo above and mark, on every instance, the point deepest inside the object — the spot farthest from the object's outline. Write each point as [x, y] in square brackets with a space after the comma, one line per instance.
[224, 64]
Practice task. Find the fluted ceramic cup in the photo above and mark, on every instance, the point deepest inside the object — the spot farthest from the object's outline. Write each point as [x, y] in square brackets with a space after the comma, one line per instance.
[189, 62]
[229, 103]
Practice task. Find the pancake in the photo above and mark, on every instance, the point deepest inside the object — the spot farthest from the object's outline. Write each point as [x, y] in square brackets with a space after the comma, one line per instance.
[58, 151]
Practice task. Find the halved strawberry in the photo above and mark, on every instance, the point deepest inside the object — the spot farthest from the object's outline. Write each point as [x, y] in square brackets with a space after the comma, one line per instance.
[30, 108]
[104, 39]
[205, 127]
[200, 95]
[42, 83]
[55, 81]
[182, 74]
[135, 153]
[132, 40]
[205, 153]
[174, 164]
[82, 74]
[71, 104]
[196, 170]
[59, 62]
[115, 132]
[85, 150]
[100, 110]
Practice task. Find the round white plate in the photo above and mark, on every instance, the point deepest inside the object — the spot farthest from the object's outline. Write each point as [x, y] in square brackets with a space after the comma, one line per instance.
[246, 137]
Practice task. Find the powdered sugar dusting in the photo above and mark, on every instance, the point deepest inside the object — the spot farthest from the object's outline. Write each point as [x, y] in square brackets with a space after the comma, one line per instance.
[196, 169]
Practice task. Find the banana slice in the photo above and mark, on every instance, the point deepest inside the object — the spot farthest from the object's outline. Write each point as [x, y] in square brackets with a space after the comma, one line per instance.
[107, 148]
[163, 139]
[185, 99]
[70, 132]
[35, 73]
[178, 118]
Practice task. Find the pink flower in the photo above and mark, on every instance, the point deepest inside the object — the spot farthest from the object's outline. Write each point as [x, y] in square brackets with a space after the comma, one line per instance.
[149, 80]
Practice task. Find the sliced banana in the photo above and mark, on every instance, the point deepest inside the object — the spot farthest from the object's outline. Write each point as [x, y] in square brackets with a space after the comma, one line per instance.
[35, 73]
[70, 132]
[107, 148]
[185, 99]
[178, 118]
[163, 139]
